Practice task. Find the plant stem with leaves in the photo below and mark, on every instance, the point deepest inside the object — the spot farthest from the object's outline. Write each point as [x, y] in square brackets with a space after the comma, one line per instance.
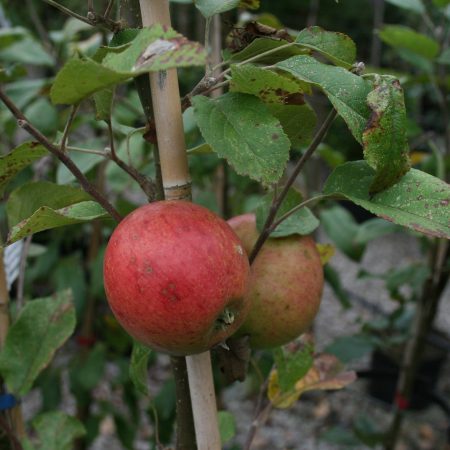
[278, 200]
[23, 122]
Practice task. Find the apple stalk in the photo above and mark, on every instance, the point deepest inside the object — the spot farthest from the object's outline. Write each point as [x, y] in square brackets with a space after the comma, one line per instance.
[177, 185]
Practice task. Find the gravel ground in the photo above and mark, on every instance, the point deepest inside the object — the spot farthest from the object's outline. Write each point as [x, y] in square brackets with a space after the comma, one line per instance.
[300, 427]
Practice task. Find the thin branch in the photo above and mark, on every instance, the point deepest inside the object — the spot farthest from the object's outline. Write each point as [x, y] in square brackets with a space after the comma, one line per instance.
[207, 83]
[92, 18]
[145, 183]
[260, 419]
[70, 120]
[108, 9]
[299, 166]
[42, 32]
[63, 157]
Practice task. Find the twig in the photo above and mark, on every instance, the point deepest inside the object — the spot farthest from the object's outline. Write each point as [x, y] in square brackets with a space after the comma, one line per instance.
[424, 316]
[259, 420]
[69, 122]
[63, 157]
[145, 183]
[108, 9]
[279, 199]
[207, 83]
[22, 267]
[92, 19]
[42, 32]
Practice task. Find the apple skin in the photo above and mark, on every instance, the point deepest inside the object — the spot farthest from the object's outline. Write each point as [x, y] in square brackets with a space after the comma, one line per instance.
[285, 287]
[173, 272]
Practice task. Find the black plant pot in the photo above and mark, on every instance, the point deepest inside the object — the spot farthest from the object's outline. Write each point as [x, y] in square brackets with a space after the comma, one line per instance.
[385, 372]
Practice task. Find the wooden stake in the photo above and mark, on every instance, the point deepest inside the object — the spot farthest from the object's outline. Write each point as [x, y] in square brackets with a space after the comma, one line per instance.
[177, 185]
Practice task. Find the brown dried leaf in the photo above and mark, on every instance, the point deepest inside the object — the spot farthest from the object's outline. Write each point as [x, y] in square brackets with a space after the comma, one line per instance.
[325, 374]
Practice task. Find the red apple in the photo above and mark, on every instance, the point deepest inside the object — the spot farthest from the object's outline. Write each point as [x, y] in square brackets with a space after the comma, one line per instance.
[285, 286]
[175, 276]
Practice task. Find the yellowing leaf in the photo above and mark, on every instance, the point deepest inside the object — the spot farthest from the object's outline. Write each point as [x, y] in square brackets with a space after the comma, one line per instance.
[326, 252]
[325, 374]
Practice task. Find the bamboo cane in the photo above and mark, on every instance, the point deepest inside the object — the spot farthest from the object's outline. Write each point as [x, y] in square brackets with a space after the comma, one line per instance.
[177, 185]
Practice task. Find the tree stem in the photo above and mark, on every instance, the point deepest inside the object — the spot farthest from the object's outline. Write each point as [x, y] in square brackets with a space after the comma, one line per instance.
[422, 323]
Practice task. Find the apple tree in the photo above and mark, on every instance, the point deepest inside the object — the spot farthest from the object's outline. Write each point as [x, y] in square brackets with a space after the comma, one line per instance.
[248, 103]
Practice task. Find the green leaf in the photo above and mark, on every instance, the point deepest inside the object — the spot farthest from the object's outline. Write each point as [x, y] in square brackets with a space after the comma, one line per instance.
[301, 222]
[367, 432]
[202, 149]
[27, 51]
[12, 72]
[298, 122]
[103, 101]
[139, 367]
[346, 91]
[43, 115]
[9, 36]
[269, 86]
[57, 431]
[249, 4]
[46, 218]
[23, 91]
[349, 348]
[399, 36]
[337, 47]
[341, 436]
[341, 228]
[84, 161]
[15, 161]
[333, 279]
[227, 426]
[374, 228]
[262, 45]
[444, 57]
[239, 128]
[418, 201]
[210, 7]
[384, 139]
[80, 78]
[292, 366]
[41, 328]
[416, 6]
[87, 370]
[153, 49]
[29, 197]
[41, 205]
